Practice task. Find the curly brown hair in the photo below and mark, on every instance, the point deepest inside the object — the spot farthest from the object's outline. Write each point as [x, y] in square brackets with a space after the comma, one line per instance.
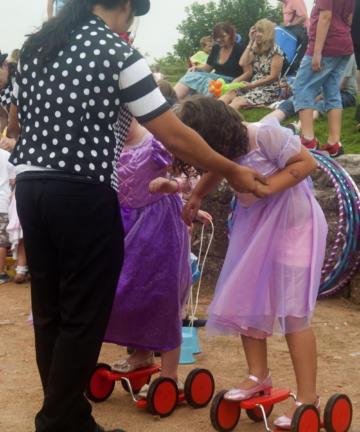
[219, 124]
[227, 27]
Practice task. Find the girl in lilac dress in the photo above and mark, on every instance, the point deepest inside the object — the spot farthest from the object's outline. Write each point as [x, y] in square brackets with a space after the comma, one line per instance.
[156, 274]
[271, 274]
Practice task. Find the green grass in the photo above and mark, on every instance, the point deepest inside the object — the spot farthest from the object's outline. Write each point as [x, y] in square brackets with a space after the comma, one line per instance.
[350, 137]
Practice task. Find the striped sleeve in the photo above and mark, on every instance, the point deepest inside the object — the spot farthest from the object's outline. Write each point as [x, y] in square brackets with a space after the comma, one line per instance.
[139, 91]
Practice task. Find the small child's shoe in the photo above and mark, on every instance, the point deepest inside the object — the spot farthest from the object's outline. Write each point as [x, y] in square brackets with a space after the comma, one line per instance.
[334, 150]
[4, 277]
[284, 422]
[145, 389]
[263, 386]
[124, 366]
[309, 144]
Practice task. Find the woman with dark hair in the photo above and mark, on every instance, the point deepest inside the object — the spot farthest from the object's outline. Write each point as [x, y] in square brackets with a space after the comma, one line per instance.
[78, 87]
[224, 59]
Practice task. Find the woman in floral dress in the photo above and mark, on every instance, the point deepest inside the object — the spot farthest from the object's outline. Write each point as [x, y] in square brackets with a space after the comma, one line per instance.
[266, 59]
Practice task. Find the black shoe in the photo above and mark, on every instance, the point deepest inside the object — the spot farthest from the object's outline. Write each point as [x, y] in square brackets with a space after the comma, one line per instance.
[198, 322]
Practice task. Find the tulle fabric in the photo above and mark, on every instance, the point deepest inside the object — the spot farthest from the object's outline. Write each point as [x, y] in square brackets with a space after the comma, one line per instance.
[156, 275]
[14, 228]
[271, 274]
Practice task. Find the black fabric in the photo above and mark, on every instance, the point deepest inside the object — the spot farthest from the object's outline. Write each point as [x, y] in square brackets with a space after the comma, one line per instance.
[355, 26]
[231, 66]
[73, 238]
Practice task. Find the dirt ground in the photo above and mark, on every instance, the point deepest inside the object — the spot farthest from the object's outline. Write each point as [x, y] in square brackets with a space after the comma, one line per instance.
[337, 327]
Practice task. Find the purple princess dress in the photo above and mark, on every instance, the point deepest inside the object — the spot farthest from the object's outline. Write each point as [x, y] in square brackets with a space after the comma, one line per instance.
[270, 278]
[156, 276]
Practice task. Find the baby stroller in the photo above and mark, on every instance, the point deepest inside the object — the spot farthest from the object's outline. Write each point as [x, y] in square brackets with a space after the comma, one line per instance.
[293, 41]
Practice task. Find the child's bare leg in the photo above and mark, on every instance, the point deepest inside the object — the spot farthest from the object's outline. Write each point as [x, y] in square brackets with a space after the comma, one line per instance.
[169, 363]
[181, 90]
[21, 261]
[139, 356]
[238, 102]
[3, 252]
[256, 358]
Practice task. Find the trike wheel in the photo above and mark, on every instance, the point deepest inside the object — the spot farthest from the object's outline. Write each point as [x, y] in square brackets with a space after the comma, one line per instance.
[338, 413]
[305, 419]
[99, 388]
[136, 384]
[162, 396]
[224, 414]
[199, 388]
[255, 414]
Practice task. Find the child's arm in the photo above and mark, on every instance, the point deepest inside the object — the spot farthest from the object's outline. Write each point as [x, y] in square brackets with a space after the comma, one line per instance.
[297, 169]
[164, 185]
[204, 217]
[208, 182]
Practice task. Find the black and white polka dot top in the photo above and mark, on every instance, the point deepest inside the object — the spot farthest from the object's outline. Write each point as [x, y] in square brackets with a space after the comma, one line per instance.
[75, 113]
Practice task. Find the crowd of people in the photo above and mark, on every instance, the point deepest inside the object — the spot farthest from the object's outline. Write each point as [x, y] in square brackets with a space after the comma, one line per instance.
[103, 169]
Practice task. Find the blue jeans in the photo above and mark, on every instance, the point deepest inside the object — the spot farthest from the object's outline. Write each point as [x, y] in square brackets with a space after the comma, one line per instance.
[309, 83]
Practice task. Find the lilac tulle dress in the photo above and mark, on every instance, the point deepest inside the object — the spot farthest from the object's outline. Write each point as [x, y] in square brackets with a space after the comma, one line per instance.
[270, 278]
[156, 275]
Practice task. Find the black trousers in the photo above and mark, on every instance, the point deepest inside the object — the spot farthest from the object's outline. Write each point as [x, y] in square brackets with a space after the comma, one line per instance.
[73, 237]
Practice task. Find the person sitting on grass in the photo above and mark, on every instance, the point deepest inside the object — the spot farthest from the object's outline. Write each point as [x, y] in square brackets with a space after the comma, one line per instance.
[266, 60]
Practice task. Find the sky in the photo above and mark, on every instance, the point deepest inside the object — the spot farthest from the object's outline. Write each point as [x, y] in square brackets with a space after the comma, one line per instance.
[155, 37]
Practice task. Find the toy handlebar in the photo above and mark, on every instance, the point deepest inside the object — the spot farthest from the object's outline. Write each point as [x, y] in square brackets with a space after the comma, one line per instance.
[219, 87]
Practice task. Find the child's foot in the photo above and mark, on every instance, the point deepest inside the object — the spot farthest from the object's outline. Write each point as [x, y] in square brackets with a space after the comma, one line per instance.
[4, 277]
[284, 422]
[250, 387]
[312, 144]
[138, 360]
[145, 388]
[334, 150]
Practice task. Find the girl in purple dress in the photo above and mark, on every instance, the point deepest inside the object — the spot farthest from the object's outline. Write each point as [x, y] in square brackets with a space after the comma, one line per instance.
[156, 274]
[271, 274]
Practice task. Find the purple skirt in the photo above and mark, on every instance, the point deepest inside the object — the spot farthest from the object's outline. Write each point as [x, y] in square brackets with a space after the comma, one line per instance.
[155, 278]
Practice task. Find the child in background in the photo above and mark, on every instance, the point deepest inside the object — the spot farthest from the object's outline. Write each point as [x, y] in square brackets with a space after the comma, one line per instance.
[271, 274]
[7, 179]
[153, 287]
[201, 56]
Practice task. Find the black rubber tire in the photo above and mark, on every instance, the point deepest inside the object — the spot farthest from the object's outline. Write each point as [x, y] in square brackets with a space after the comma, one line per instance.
[252, 413]
[299, 422]
[215, 411]
[156, 393]
[188, 388]
[89, 391]
[328, 413]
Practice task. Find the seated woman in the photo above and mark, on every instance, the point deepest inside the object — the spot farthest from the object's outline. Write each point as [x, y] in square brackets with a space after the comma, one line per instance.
[224, 58]
[266, 60]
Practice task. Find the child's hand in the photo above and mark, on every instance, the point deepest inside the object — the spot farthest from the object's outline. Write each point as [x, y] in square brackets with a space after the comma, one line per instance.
[204, 217]
[163, 185]
[262, 191]
[244, 179]
[191, 209]
[7, 144]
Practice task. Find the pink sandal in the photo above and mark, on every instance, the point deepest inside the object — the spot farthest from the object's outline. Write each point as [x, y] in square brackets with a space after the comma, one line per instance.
[284, 422]
[264, 386]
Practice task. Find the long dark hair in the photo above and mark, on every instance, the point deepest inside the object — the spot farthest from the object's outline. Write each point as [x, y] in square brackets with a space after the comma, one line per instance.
[55, 33]
[219, 124]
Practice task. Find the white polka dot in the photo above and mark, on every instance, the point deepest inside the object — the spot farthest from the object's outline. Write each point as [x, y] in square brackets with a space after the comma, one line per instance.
[69, 60]
[65, 150]
[52, 155]
[78, 68]
[28, 115]
[97, 52]
[47, 105]
[27, 128]
[92, 166]
[25, 67]
[37, 110]
[71, 109]
[110, 89]
[68, 137]
[102, 178]
[52, 78]
[106, 139]
[59, 100]
[104, 165]
[106, 152]
[41, 83]
[49, 91]
[37, 124]
[65, 73]
[111, 114]
[101, 115]
[93, 153]
[88, 78]
[91, 102]
[56, 128]
[24, 81]
[46, 119]
[73, 95]
[112, 51]
[85, 27]
[38, 96]
[84, 105]
[93, 33]
[101, 76]
[45, 132]
[73, 48]
[102, 42]
[76, 82]
[92, 64]
[56, 65]
[43, 146]
[106, 102]
[96, 127]
[115, 77]
[92, 22]
[69, 123]
[61, 53]
[55, 141]
[79, 36]
[82, 141]
[86, 92]
[61, 164]
[31, 150]
[106, 63]
[35, 61]
[33, 75]
[40, 159]
[96, 140]
[80, 154]
[97, 89]
[77, 167]
[62, 86]
[57, 114]
[86, 129]
[82, 55]
[110, 36]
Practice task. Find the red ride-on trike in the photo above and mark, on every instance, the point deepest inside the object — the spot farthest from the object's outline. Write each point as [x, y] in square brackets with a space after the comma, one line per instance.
[163, 394]
[225, 414]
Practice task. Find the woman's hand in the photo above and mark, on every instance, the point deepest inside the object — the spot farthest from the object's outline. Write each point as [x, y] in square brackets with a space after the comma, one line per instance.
[204, 217]
[252, 32]
[191, 209]
[244, 179]
[7, 144]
